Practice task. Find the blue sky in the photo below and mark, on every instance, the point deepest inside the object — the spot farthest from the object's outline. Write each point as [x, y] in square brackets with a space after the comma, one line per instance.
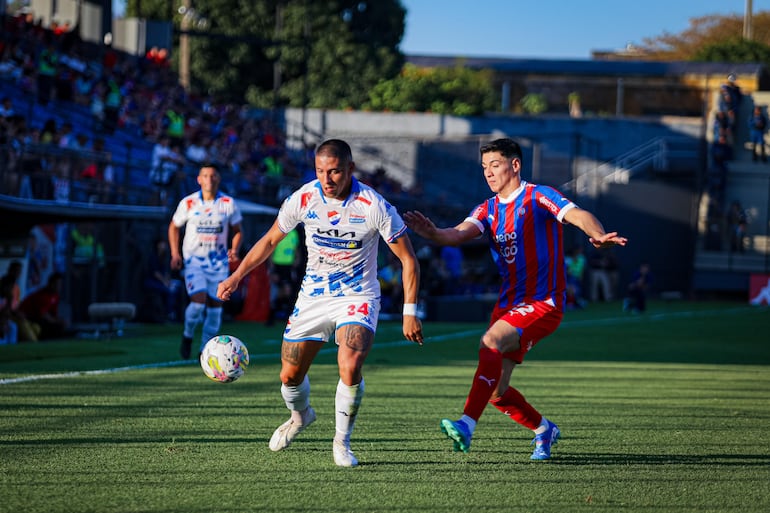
[549, 29]
[546, 29]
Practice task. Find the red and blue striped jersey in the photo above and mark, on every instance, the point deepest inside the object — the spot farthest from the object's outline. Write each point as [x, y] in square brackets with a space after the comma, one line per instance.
[524, 232]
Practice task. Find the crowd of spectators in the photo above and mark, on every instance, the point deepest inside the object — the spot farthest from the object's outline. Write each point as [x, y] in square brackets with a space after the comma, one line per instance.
[141, 97]
[726, 226]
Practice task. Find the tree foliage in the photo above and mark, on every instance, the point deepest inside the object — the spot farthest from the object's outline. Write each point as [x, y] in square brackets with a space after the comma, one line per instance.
[534, 103]
[458, 91]
[704, 32]
[325, 54]
[734, 50]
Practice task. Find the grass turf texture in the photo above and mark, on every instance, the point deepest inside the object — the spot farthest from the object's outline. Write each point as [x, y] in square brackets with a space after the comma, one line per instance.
[666, 411]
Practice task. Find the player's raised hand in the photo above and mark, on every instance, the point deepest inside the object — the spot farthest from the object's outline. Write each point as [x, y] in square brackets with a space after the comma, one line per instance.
[419, 223]
[607, 240]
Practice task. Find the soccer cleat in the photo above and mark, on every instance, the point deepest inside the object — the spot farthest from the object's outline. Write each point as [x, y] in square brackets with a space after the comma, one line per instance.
[288, 431]
[544, 441]
[185, 348]
[458, 432]
[343, 456]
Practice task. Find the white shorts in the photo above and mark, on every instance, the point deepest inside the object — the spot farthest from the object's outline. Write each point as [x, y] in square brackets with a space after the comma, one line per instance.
[196, 280]
[318, 318]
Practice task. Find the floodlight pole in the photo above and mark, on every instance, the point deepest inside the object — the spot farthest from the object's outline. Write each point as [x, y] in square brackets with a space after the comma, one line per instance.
[747, 21]
[184, 47]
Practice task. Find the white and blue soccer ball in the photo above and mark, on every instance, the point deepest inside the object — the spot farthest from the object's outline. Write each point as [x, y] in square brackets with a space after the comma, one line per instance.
[224, 358]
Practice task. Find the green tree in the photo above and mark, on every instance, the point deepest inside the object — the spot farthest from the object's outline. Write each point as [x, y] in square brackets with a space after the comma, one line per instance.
[458, 90]
[734, 50]
[329, 53]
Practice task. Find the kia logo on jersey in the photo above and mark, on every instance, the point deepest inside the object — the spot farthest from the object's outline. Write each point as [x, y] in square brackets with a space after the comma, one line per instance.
[334, 217]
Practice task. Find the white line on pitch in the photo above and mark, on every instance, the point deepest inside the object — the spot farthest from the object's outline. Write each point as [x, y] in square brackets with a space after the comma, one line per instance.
[394, 343]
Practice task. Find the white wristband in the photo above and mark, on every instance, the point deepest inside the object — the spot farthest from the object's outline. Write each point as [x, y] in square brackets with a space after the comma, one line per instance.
[410, 309]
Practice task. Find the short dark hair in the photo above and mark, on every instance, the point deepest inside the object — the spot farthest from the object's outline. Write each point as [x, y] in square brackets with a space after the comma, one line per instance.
[507, 147]
[212, 165]
[335, 148]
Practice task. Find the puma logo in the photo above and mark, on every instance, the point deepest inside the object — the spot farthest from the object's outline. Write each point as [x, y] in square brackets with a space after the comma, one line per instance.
[488, 381]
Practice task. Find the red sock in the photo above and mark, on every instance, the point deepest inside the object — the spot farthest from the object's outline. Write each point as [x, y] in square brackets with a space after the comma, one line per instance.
[513, 404]
[484, 382]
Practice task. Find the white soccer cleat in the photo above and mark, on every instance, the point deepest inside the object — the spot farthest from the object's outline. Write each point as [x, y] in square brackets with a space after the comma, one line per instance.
[288, 431]
[343, 456]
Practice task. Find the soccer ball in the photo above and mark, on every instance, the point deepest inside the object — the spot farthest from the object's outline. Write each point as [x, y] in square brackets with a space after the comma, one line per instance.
[224, 358]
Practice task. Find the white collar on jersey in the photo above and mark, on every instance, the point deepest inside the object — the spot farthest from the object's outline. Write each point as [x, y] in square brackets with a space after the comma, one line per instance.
[514, 194]
[200, 196]
[355, 188]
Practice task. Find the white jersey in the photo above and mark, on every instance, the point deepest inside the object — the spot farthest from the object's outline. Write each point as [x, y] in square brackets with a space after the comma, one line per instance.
[206, 235]
[341, 237]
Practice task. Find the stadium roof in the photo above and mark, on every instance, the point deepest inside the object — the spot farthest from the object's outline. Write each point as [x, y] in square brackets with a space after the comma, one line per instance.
[589, 67]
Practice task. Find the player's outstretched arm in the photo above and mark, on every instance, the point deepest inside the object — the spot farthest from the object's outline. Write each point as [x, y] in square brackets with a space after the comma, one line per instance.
[424, 227]
[592, 227]
[258, 253]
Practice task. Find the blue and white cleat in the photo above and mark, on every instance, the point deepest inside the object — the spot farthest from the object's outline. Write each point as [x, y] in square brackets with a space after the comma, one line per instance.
[544, 441]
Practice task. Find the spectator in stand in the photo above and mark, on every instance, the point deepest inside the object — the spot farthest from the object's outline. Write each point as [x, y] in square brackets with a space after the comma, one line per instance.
[66, 136]
[112, 102]
[83, 85]
[737, 223]
[6, 108]
[757, 129]
[603, 276]
[49, 135]
[46, 72]
[174, 123]
[98, 93]
[391, 286]
[727, 105]
[575, 262]
[166, 163]
[734, 91]
[197, 151]
[163, 293]
[636, 302]
[42, 308]
[721, 154]
[721, 124]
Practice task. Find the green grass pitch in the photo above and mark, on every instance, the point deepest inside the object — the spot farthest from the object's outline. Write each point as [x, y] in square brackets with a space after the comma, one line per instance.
[665, 411]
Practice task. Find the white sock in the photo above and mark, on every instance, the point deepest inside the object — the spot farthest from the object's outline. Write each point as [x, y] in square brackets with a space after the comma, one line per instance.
[211, 324]
[192, 317]
[469, 422]
[297, 398]
[346, 403]
[543, 427]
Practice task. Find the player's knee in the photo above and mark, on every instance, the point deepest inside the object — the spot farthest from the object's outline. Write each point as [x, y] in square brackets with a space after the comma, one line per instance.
[291, 377]
[490, 341]
[350, 372]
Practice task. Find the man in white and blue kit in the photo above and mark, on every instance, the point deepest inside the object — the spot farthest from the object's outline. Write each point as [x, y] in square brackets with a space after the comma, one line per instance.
[340, 294]
[208, 217]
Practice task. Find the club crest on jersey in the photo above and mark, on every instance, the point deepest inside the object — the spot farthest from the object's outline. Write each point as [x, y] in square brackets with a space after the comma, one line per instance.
[522, 211]
[334, 217]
